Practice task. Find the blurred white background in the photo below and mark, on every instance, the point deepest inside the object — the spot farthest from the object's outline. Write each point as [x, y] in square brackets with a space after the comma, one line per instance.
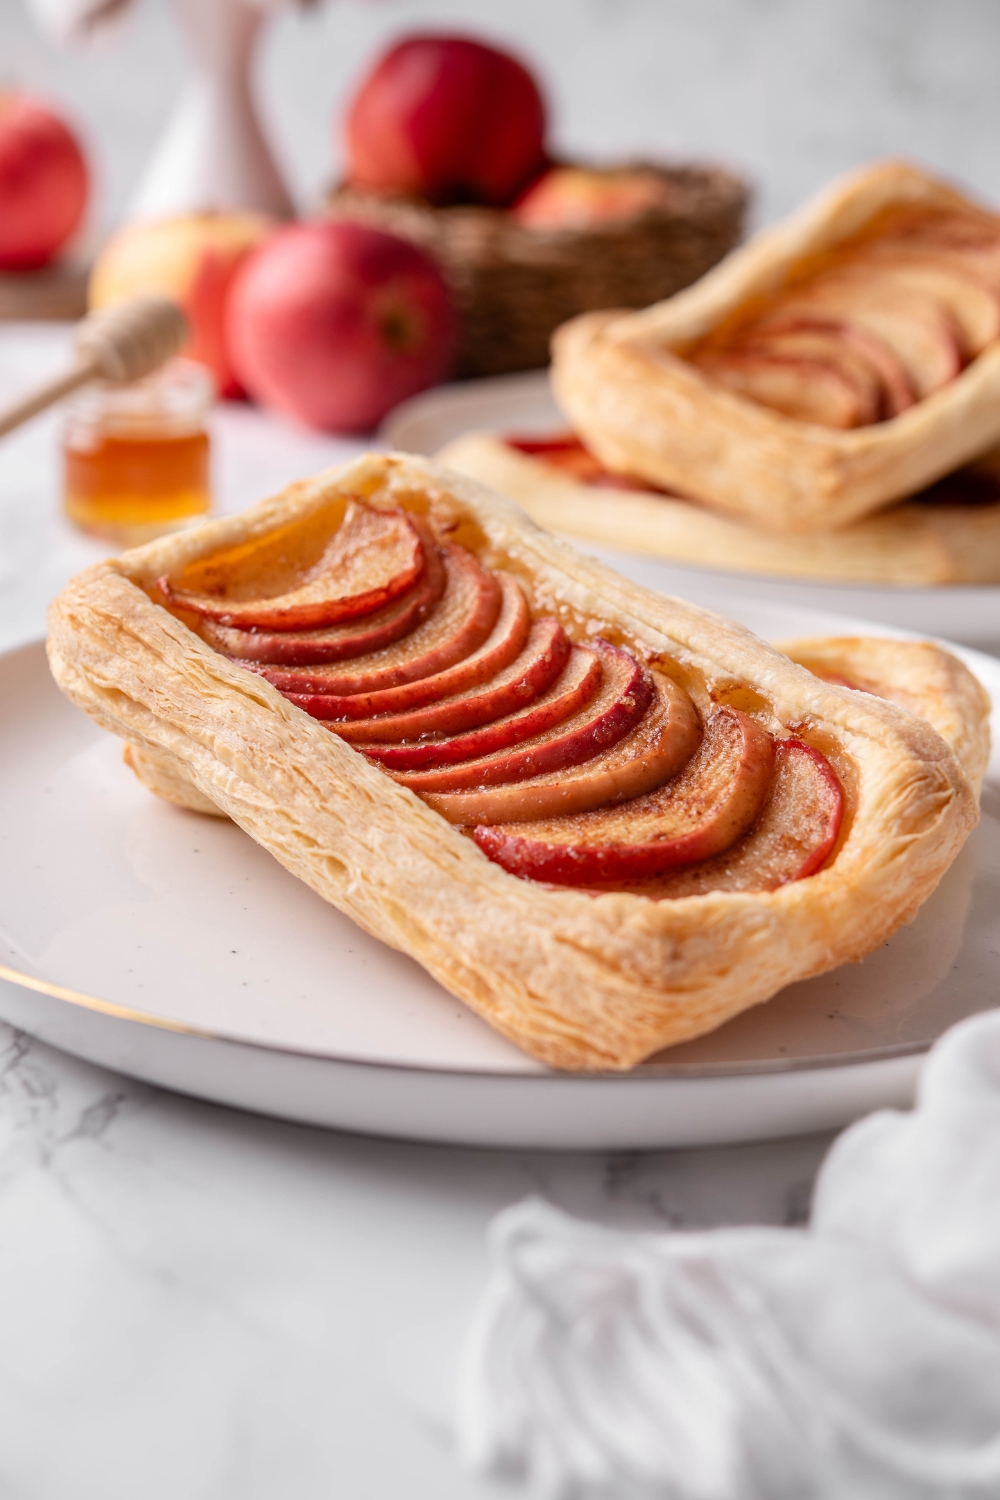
[790, 90]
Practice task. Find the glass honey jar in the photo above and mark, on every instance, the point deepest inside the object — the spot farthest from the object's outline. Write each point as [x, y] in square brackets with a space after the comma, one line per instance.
[136, 457]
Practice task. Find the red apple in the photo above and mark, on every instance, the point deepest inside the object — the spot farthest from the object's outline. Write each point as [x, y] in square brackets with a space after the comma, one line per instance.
[374, 557]
[705, 809]
[583, 197]
[448, 119]
[369, 634]
[664, 740]
[192, 259]
[43, 183]
[463, 621]
[616, 705]
[484, 696]
[333, 323]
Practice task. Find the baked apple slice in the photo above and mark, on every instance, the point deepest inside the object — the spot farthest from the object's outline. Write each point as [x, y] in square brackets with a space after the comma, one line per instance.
[664, 740]
[463, 620]
[806, 389]
[973, 235]
[918, 329]
[623, 696]
[566, 698]
[973, 305]
[705, 809]
[545, 654]
[898, 394]
[565, 452]
[826, 346]
[373, 557]
[359, 637]
[505, 644]
[793, 837]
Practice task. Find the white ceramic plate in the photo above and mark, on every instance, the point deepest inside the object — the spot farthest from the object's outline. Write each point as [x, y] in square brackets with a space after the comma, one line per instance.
[524, 403]
[171, 947]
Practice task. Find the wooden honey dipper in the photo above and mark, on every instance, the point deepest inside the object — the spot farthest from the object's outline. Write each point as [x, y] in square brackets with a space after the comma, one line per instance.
[120, 344]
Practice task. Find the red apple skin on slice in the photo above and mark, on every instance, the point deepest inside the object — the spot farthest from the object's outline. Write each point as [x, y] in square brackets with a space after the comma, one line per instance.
[465, 617]
[545, 654]
[918, 330]
[614, 708]
[705, 809]
[504, 645]
[569, 694]
[793, 837]
[339, 642]
[972, 240]
[374, 557]
[565, 452]
[664, 740]
[826, 347]
[897, 393]
[800, 388]
[973, 304]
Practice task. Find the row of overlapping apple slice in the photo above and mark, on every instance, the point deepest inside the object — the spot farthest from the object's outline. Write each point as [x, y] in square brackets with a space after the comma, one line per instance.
[878, 325]
[572, 764]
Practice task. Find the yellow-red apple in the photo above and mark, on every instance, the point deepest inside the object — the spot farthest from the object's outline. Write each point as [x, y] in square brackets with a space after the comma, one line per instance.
[193, 259]
[583, 197]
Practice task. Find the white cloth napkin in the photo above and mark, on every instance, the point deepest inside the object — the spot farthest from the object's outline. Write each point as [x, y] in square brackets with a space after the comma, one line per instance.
[857, 1358]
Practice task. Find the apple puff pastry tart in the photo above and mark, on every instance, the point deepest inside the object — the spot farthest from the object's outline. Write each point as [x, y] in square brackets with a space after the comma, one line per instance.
[948, 534]
[839, 361]
[606, 820]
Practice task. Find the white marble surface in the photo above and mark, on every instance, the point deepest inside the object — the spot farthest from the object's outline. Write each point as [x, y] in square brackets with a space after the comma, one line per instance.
[203, 1304]
[197, 1303]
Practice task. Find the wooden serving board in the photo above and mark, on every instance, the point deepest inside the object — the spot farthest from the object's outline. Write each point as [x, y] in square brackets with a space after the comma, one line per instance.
[57, 291]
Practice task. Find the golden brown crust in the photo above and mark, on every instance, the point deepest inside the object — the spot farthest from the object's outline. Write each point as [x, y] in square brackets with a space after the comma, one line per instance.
[916, 544]
[576, 980]
[165, 777]
[642, 409]
[918, 675]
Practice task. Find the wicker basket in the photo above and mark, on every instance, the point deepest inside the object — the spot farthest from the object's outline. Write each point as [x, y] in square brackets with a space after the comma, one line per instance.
[513, 286]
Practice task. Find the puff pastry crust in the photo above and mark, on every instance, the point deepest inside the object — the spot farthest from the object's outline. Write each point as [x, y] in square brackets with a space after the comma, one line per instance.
[920, 543]
[645, 410]
[579, 981]
[919, 676]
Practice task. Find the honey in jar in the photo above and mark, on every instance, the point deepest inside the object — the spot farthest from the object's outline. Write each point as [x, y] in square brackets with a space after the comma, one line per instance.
[136, 457]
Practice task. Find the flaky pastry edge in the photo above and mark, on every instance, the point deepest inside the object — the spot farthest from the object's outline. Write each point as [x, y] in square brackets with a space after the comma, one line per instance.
[921, 544]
